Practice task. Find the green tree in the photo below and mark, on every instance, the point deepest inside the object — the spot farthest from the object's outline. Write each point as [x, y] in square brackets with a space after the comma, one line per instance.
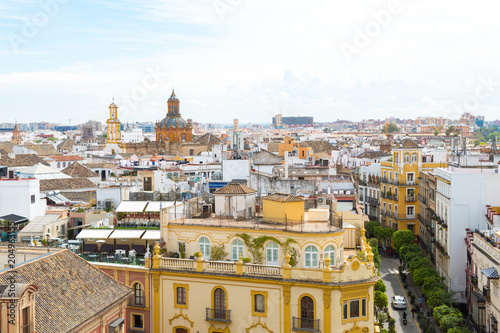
[408, 248]
[380, 300]
[402, 237]
[436, 132]
[376, 256]
[418, 262]
[422, 274]
[461, 329]
[392, 325]
[432, 283]
[217, 252]
[380, 286]
[383, 233]
[439, 297]
[370, 227]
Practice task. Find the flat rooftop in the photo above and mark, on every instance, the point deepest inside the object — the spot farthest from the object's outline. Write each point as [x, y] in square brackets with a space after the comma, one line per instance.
[312, 227]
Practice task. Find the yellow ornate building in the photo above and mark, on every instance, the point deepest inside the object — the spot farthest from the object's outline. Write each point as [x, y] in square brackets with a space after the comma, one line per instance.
[173, 127]
[399, 186]
[301, 278]
[113, 132]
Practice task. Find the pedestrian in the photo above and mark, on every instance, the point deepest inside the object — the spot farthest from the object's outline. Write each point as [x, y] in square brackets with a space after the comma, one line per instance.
[420, 301]
[422, 310]
[413, 312]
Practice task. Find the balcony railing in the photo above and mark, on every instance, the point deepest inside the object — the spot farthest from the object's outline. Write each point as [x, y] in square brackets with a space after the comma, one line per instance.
[397, 182]
[422, 199]
[221, 315]
[373, 201]
[305, 324]
[397, 216]
[28, 328]
[411, 198]
[390, 196]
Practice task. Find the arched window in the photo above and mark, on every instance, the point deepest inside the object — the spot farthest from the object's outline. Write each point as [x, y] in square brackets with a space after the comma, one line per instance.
[330, 250]
[407, 158]
[237, 249]
[414, 158]
[307, 312]
[183, 136]
[138, 294]
[64, 164]
[205, 248]
[58, 165]
[219, 303]
[181, 330]
[272, 254]
[311, 256]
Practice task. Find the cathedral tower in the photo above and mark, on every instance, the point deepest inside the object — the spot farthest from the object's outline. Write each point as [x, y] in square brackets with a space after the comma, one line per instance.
[173, 127]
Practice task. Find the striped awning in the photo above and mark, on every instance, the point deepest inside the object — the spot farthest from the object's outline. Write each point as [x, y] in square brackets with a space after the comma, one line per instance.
[491, 273]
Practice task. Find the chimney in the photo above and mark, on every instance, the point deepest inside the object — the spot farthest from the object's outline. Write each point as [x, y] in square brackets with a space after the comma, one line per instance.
[286, 165]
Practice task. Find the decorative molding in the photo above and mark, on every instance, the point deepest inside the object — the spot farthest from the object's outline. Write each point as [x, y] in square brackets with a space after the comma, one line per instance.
[286, 295]
[327, 298]
[357, 329]
[179, 315]
[264, 326]
[156, 283]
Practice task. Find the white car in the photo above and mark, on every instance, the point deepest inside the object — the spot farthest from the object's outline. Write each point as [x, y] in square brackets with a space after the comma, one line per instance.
[398, 302]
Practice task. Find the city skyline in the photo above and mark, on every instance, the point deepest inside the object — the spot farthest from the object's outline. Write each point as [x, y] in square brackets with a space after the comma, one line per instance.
[247, 60]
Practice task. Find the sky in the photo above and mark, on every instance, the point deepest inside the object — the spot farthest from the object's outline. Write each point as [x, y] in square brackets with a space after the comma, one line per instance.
[65, 61]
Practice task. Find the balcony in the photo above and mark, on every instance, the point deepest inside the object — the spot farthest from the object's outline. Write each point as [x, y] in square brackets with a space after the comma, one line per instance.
[411, 198]
[372, 201]
[305, 325]
[473, 280]
[390, 196]
[429, 225]
[397, 216]
[422, 199]
[219, 315]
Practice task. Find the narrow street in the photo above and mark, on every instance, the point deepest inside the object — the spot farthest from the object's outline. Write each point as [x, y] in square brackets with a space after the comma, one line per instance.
[389, 272]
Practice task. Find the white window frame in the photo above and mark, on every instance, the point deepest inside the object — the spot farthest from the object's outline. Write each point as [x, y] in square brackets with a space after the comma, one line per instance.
[237, 248]
[272, 254]
[311, 257]
[204, 244]
[330, 250]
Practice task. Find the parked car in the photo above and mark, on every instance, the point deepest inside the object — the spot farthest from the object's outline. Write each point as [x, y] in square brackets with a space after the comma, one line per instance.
[398, 302]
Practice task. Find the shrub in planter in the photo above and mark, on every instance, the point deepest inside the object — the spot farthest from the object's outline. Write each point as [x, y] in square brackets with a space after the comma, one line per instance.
[246, 260]
[197, 254]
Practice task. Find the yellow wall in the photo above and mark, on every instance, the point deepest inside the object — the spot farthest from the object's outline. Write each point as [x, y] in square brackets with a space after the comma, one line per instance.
[276, 211]
[286, 146]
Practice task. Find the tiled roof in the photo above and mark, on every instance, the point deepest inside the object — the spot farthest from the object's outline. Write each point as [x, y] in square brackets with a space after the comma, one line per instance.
[280, 197]
[66, 144]
[373, 154]
[235, 188]
[70, 290]
[273, 146]
[100, 165]
[407, 144]
[207, 138]
[84, 196]
[64, 158]
[7, 146]
[43, 150]
[77, 170]
[22, 160]
[65, 184]
[319, 146]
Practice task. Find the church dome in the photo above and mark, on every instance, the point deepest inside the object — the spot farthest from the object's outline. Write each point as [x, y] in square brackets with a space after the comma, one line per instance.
[173, 122]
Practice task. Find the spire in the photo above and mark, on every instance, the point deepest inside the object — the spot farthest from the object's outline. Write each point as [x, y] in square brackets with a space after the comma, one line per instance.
[172, 96]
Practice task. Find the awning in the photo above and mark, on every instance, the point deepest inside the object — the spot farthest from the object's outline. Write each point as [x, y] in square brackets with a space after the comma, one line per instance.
[126, 234]
[152, 235]
[116, 323]
[491, 273]
[132, 206]
[81, 226]
[58, 198]
[16, 219]
[94, 233]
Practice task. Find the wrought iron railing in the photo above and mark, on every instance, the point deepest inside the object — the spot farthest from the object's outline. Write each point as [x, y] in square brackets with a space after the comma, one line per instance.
[221, 315]
[305, 324]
